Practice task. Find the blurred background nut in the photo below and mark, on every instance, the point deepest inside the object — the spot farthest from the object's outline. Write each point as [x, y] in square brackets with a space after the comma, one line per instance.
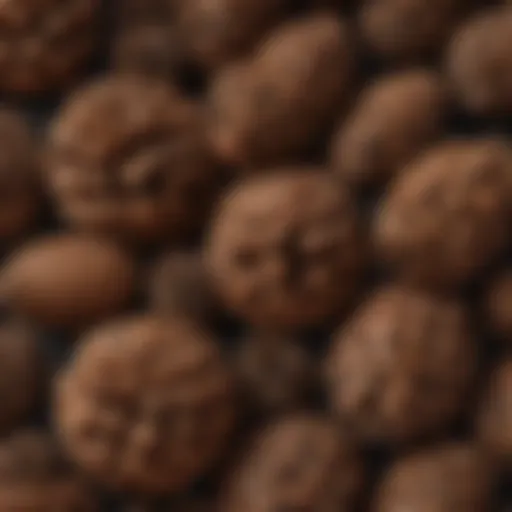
[446, 216]
[35, 477]
[479, 62]
[127, 158]
[44, 45]
[393, 119]
[301, 461]
[286, 95]
[443, 478]
[285, 250]
[67, 280]
[146, 404]
[498, 306]
[401, 368]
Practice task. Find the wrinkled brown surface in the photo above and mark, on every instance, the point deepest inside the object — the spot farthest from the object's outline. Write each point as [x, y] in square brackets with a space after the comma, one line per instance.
[145, 405]
[498, 305]
[284, 250]
[400, 369]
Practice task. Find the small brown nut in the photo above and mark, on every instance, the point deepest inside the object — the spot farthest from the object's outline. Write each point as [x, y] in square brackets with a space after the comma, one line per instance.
[146, 404]
[401, 368]
[21, 373]
[495, 417]
[127, 157]
[34, 476]
[393, 120]
[19, 198]
[285, 250]
[498, 306]
[44, 45]
[67, 280]
[446, 215]
[299, 462]
[407, 31]
[444, 478]
[273, 106]
[179, 284]
[479, 62]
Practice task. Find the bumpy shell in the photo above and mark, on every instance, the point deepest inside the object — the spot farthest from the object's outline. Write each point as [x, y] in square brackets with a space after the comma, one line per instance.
[401, 368]
[298, 462]
[284, 250]
[446, 216]
[479, 62]
[393, 119]
[145, 405]
[273, 106]
[126, 157]
[35, 478]
[67, 280]
[45, 44]
[498, 306]
[441, 479]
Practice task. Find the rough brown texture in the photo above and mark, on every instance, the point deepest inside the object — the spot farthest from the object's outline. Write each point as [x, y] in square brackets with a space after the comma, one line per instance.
[400, 369]
[443, 478]
[127, 157]
[495, 417]
[35, 478]
[284, 250]
[300, 462]
[145, 405]
[407, 31]
[19, 186]
[393, 119]
[498, 306]
[479, 62]
[67, 280]
[44, 45]
[269, 108]
[446, 217]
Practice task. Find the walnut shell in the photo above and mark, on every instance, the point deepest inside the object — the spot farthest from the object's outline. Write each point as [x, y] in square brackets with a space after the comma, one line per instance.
[498, 306]
[67, 280]
[401, 368]
[285, 249]
[146, 404]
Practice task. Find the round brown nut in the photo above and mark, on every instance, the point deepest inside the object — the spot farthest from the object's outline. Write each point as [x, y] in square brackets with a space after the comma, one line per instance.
[446, 216]
[271, 107]
[127, 157]
[445, 478]
[498, 307]
[298, 462]
[495, 417]
[35, 478]
[401, 368]
[393, 120]
[67, 280]
[44, 45]
[407, 31]
[19, 198]
[146, 404]
[284, 250]
[179, 284]
[479, 62]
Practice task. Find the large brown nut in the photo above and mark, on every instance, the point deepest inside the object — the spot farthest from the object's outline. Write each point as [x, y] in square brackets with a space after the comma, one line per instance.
[498, 306]
[127, 157]
[443, 478]
[19, 175]
[34, 477]
[299, 462]
[407, 31]
[446, 215]
[401, 368]
[393, 119]
[146, 405]
[479, 62]
[44, 45]
[495, 417]
[285, 250]
[273, 106]
[67, 280]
